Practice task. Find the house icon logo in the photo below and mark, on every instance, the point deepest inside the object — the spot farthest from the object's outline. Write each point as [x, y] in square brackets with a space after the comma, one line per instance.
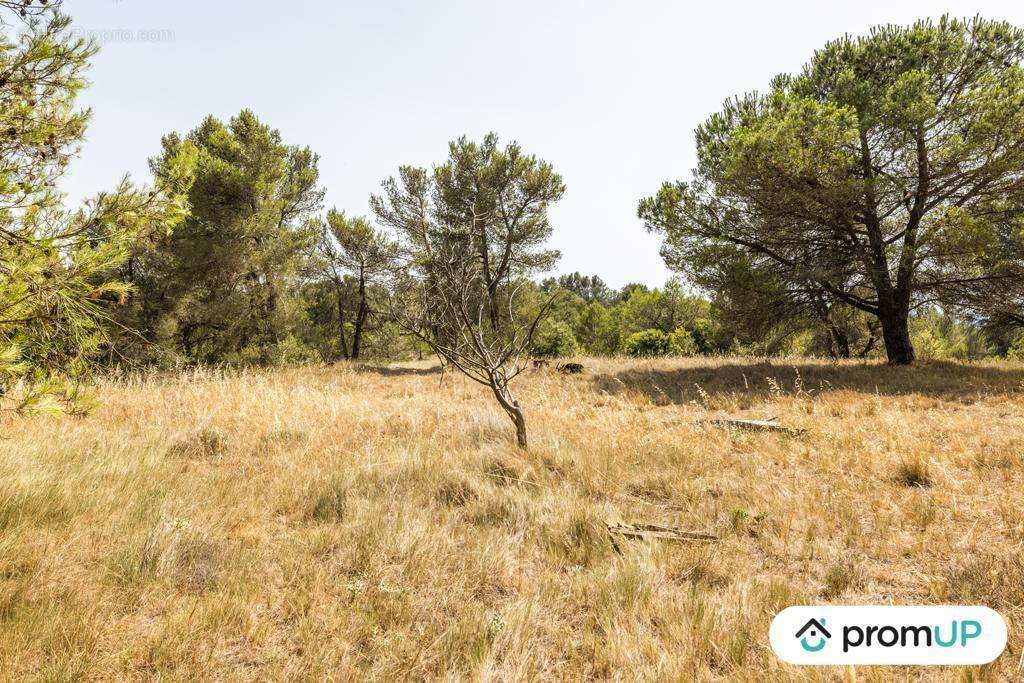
[813, 636]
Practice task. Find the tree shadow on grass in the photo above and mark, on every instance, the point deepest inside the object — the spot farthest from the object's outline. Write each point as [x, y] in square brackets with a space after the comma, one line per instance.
[948, 381]
[398, 371]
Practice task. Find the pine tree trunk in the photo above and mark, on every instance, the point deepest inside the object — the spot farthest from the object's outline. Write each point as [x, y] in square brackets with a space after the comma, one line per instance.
[342, 341]
[842, 343]
[357, 333]
[895, 321]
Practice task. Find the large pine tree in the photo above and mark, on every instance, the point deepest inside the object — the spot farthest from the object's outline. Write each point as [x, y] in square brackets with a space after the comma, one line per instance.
[222, 286]
[886, 175]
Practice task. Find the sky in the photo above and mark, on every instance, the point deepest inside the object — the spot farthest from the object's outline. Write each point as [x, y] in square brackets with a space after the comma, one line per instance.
[608, 92]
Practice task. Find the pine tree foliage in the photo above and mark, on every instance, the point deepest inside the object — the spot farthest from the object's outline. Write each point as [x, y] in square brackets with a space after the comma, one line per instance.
[887, 175]
[224, 286]
[57, 266]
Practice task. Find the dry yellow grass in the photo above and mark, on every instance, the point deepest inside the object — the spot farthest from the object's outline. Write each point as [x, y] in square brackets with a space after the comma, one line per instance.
[377, 523]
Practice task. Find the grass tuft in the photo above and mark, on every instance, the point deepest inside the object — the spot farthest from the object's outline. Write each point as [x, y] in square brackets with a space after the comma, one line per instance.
[840, 578]
[206, 443]
[913, 471]
[456, 490]
[328, 501]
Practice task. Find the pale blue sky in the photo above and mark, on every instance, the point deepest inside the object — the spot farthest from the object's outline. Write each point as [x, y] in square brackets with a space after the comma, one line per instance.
[609, 92]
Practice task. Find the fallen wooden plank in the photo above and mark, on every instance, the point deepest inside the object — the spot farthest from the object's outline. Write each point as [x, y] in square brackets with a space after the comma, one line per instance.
[660, 532]
[752, 425]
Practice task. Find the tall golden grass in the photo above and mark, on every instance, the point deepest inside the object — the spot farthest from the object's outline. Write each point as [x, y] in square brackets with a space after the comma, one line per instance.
[362, 522]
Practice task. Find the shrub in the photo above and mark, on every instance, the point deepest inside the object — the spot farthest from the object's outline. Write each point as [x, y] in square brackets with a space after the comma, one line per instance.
[705, 335]
[930, 345]
[288, 351]
[653, 343]
[682, 343]
[648, 344]
[1016, 351]
[555, 339]
[937, 336]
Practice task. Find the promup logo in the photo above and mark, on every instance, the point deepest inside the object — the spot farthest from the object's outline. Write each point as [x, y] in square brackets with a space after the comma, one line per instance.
[888, 635]
[815, 631]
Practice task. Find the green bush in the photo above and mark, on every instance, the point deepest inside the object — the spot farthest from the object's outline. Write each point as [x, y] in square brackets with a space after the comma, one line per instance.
[939, 336]
[1016, 351]
[704, 336]
[654, 343]
[928, 345]
[682, 343]
[555, 339]
[648, 344]
[288, 351]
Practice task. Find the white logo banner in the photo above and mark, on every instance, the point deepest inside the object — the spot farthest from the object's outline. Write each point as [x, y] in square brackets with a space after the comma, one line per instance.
[932, 635]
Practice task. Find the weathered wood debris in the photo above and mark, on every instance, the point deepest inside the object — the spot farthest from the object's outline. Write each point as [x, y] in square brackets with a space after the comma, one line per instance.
[752, 425]
[653, 531]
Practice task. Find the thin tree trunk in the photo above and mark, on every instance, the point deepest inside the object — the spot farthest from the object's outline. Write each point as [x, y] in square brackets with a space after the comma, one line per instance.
[869, 346]
[514, 411]
[519, 420]
[491, 281]
[342, 341]
[842, 342]
[357, 333]
[272, 301]
[492, 298]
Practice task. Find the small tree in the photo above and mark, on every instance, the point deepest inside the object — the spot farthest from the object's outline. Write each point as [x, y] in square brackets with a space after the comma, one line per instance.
[555, 339]
[470, 232]
[352, 252]
[446, 307]
[596, 330]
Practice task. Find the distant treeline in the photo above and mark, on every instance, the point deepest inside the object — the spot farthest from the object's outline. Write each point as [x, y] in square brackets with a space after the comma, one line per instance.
[256, 274]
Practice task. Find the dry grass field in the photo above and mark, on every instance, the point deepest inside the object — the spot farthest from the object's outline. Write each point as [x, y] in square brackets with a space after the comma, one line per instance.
[378, 523]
